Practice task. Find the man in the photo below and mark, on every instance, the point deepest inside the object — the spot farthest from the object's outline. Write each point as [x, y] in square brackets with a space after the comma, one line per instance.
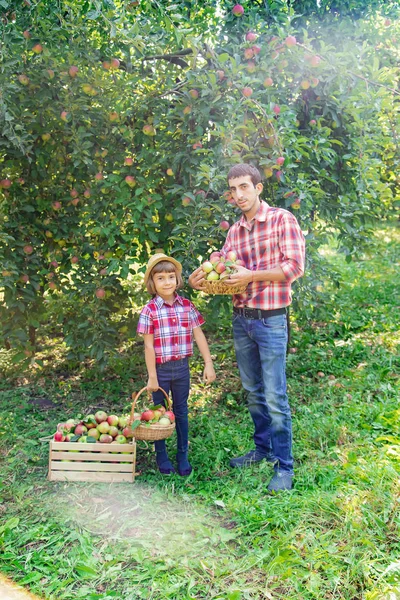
[270, 243]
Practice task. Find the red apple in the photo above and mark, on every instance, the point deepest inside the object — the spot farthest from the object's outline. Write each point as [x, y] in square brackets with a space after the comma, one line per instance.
[280, 160]
[128, 432]
[251, 36]
[103, 427]
[64, 115]
[186, 201]
[5, 183]
[56, 205]
[80, 429]
[147, 415]
[276, 109]
[224, 225]
[194, 94]
[220, 267]
[290, 41]
[130, 180]
[170, 415]
[27, 34]
[114, 63]
[37, 48]
[73, 71]
[128, 161]
[248, 53]
[105, 438]
[238, 10]
[231, 255]
[99, 176]
[94, 433]
[247, 92]
[58, 437]
[28, 249]
[113, 420]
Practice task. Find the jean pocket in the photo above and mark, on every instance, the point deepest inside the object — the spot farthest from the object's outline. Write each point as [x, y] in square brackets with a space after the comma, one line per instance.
[275, 322]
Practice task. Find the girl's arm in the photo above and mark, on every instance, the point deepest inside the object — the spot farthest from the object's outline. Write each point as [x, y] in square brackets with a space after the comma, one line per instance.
[150, 358]
[200, 339]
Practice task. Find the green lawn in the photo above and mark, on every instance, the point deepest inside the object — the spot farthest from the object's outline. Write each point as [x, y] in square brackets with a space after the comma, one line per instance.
[218, 534]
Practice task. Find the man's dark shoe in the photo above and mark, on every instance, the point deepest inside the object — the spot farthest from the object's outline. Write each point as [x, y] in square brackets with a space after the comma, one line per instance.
[280, 482]
[254, 456]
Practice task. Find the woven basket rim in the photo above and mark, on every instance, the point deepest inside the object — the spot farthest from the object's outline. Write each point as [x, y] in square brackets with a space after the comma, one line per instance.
[219, 287]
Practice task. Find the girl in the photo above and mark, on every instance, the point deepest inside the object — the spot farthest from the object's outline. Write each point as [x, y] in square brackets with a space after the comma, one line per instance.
[168, 324]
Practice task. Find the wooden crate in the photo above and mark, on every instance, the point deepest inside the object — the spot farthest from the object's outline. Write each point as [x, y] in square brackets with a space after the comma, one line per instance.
[91, 462]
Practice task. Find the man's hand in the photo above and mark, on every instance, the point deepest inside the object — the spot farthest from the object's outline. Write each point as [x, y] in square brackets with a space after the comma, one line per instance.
[241, 275]
[196, 279]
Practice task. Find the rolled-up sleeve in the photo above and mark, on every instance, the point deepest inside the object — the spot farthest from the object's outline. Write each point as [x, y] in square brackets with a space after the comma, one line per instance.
[292, 246]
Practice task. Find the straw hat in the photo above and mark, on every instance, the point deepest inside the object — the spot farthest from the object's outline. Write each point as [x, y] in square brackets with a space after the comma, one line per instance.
[159, 257]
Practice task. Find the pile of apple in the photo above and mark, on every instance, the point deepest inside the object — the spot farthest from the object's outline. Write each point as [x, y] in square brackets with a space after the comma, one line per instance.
[110, 429]
[218, 267]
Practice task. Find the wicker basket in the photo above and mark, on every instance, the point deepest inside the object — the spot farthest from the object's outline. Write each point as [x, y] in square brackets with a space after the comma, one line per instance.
[221, 288]
[154, 431]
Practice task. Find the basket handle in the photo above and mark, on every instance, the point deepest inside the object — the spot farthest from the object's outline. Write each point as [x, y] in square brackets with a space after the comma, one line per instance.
[149, 394]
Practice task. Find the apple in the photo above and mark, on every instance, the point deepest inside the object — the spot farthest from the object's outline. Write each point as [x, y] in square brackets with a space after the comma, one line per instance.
[215, 257]
[169, 217]
[113, 116]
[240, 263]
[74, 193]
[248, 53]
[220, 267]
[278, 175]
[157, 415]
[305, 84]
[251, 36]
[100, 416]
[256, 49]
[296, 204]
[251, 66]
[114, 63]
[52, 285]
[213, 276]
[70, 423]
[89, 421]
[164, 422]
[149, 130]
[276, 109]
[24, 278]
[37, 48]
[123, 421]
[268, 82]
[238, 10]
[207, 266]
[187, 110]
[280, 160]
[231, 255]
[94, 433]
[50, 73]
[103, 427]
[28, 249]
[113, 420]
[27, 34]
[23, 79]
[56, 205]
[194, 94]
[100, 293]
[314, 61]
[121, 439]
[290, 41]
[224, 225]
[73, 71]
[169, 172]
[147, 415]
[106, 65]
[113, 431]
[99, 176]
[186, 201]
[58, 437]
[314, 82]
[64, 115]
[105, 438]
[197, 145]
[130, 180]
[128, 432]
[80, 429]
[170, 415]
[247, 92]
[313, 122]
[54, 264]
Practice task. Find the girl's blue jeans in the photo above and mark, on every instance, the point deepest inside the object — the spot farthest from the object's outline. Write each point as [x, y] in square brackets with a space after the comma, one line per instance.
[260, 346]
[174, 376]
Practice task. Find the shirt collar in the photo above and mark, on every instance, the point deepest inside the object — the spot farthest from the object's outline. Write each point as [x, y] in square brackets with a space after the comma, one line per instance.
[160, 302]
[261, 215]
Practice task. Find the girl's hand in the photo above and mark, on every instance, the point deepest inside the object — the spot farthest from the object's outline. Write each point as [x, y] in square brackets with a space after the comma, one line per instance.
[152, 384]
[209, 374]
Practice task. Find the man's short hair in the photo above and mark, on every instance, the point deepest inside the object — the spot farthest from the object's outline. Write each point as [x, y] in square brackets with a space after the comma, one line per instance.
[244, 169]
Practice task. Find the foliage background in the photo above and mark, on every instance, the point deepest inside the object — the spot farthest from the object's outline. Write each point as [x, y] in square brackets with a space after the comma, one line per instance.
[74, 230]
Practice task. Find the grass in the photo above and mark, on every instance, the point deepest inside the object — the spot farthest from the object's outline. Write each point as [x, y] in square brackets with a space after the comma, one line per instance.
[217, 534]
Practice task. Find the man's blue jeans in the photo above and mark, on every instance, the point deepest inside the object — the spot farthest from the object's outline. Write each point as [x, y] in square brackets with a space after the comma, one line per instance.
[174, 376]
[260, 346]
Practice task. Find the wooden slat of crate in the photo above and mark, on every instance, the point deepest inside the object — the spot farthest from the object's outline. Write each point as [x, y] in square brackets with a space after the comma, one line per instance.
[91, 456]
[93, 477]
[91, 462]
[82, 466]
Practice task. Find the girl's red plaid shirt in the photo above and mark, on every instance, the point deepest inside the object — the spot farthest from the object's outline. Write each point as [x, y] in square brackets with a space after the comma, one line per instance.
[172, 327]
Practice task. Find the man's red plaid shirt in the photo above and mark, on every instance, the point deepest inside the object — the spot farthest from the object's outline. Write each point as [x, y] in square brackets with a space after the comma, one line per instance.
[273, 238]
[172, 327]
